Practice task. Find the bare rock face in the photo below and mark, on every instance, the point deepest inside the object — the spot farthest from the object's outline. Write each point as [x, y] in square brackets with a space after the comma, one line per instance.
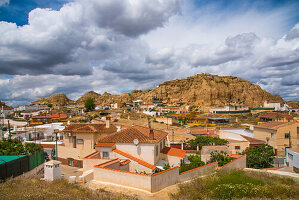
[91, 94]
[293, 104]
[211, 90]
[4, 105]
[201, 90]
[57, 99]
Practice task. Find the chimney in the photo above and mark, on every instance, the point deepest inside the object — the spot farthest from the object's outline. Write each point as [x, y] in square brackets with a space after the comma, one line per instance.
[151, 133]
[107, 122]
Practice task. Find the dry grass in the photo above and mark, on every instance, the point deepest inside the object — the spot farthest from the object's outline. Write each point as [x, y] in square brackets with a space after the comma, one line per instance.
[238, 185]
[32, 189]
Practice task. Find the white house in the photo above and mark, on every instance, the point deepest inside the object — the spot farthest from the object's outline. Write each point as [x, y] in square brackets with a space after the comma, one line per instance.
[292, 156]
[144, 147]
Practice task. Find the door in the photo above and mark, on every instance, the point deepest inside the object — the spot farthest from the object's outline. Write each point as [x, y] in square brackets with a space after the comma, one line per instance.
[74, 142]
[71, 162]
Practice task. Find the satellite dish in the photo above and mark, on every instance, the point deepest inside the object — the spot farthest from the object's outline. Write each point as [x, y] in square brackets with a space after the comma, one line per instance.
[136, 141]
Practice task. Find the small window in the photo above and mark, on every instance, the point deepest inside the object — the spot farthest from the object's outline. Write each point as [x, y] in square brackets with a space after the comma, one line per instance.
[290, 156]
[105, 154]
[286, 135]
[163, 142]
[237, 147]
[157, 150]
[80, 141]
[161, 146]
[272, 135]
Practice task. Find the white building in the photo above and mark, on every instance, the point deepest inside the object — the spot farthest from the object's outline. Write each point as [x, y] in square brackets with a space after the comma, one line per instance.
[52, 170]
[292, 156]
[144, 147]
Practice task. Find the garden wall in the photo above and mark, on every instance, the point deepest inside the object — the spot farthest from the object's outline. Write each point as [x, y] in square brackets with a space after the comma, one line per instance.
[164, 179]
[196, 172]
[131, 179]
[239, 163]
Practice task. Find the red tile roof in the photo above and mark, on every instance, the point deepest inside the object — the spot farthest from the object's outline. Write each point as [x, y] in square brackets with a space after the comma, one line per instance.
[273, 125]
[104, 145]
[87, 127]
[276, 115]
[174, 152]
[141, 162]
[134, 132]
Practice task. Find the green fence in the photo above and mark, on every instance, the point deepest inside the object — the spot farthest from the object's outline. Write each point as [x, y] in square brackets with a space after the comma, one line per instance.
[15, 165]
[36, 159]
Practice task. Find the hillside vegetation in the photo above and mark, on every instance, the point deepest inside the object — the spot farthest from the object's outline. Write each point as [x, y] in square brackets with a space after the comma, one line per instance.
[238, 185]
[34, 189]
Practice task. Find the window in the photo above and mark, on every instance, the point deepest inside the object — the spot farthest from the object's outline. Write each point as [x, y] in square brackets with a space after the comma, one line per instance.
[287, 135]
[105, 154]
[160, 146]
[290, 156]
[157, 150]
[80, 141]
[163, 142]
[272, 135]
[237, 147]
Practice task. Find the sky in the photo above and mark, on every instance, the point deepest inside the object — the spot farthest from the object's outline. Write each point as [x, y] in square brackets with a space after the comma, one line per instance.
[50, 46]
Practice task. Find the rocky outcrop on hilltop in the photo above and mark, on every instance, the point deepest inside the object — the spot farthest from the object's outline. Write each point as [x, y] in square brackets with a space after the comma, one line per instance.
[57, 99]
[293, 104]
[200, 90]
[211, 90]
[4, 105]
[91, 94]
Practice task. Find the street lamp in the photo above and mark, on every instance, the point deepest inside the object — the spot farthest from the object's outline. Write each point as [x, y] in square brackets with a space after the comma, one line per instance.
[56, 131]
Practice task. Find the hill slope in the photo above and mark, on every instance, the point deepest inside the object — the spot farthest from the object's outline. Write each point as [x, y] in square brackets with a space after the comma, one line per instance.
[199, 90]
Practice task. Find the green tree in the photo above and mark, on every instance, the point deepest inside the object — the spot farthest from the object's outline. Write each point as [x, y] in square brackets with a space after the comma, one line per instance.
[15, 147]
[221, 157]
[259, 157]
[50, 105]
[195, 161]
[89, 104]
[204, 141]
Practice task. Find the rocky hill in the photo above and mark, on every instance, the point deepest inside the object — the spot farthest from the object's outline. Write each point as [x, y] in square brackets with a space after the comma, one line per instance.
[4, 105]
[200, 90]
[57, 99]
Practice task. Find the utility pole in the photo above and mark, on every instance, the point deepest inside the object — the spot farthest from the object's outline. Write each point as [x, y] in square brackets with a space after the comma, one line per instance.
[56, 131]
[9, 134]
[290, 142]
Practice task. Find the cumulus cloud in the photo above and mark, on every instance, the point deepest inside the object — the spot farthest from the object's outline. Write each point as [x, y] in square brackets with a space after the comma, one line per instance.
[4, 2]
[107, 46]
[53, 41]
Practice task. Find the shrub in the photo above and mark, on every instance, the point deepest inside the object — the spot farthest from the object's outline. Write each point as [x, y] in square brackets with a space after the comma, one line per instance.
[221, 157]
[15, 147]
[195, 161]
[206, 140]
[238, 185]
[260, 156]
[89, 104]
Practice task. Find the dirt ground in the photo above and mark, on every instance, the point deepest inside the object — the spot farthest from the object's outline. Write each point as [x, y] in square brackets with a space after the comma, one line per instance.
[68, 171]
[140, 194]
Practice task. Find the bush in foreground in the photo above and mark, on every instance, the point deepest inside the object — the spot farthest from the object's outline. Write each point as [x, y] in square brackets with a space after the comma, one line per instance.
[238, 185]
[35, 189]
